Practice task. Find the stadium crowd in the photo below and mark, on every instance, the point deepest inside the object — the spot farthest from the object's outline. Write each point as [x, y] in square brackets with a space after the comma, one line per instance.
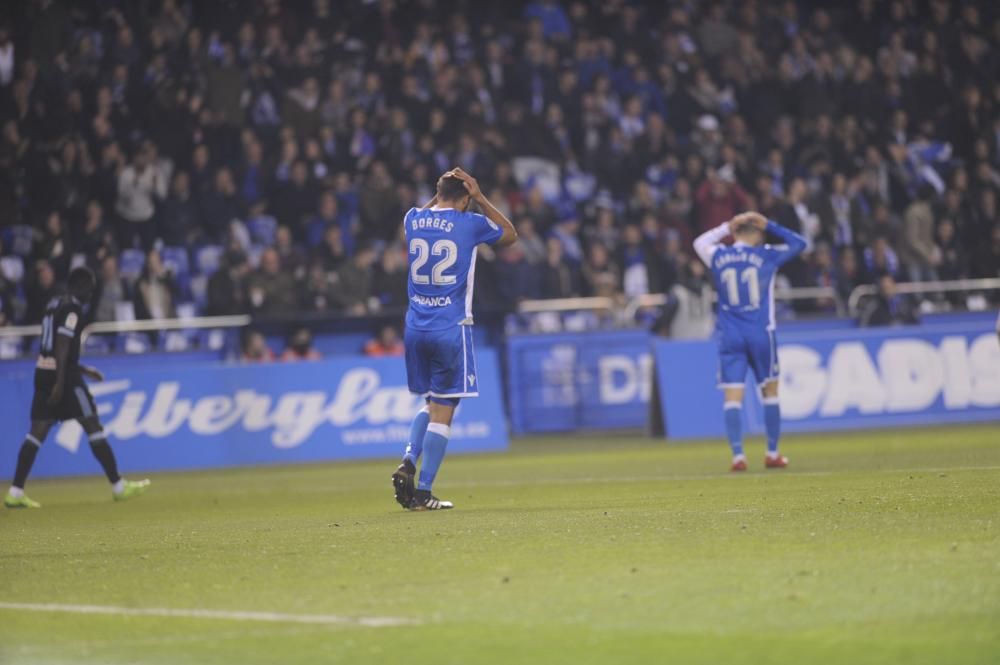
[258, 157]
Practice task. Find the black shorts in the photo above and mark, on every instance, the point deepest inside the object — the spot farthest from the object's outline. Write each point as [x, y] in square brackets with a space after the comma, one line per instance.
[77, 402]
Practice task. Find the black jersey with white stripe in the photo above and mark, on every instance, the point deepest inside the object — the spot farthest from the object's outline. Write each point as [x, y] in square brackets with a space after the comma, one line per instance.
[63, 316]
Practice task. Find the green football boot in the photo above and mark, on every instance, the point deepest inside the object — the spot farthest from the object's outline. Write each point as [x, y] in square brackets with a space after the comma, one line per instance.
[132, 488]
[22, 501]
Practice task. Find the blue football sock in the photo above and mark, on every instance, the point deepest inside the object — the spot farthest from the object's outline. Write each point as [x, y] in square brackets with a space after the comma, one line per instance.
[418, 429]
[435, 444]
[734, 426]
[772, 423]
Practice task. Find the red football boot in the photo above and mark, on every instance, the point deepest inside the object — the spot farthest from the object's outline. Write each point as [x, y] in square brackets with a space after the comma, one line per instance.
[739, 465]
[779, 462]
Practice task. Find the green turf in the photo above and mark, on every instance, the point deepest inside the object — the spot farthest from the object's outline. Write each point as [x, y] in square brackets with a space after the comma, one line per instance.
[873, 548]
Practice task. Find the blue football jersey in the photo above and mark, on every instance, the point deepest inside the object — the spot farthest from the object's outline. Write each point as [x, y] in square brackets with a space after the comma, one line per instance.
[744, 275]
[442, 250]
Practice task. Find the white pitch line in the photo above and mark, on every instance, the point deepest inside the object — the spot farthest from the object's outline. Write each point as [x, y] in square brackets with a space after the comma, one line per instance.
[268, 617]
[597, 480]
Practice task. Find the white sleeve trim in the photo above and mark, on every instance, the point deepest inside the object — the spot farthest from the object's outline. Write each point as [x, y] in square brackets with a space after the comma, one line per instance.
[707, 243]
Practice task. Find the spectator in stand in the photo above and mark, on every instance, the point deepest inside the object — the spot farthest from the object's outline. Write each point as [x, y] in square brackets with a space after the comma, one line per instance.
[155, 290]
[849, 275]
[328, 215]
[41, 287]
[271, 291]
[600, 275]
[354, 282]
[514, 278]
[225, 85]
[987, 261]
[888, 307]
[380, 207]
[672, 259]
[824, 275]
[557, 278]
[69, 182]
[300, 347]
[638, 276]
[180, 218]
[320, 290]
[55, 246]
[718, 199]
[294, 199]
[330, 253]
[689, 313]
[949, 256]
[221, 205]
[837, 213]
[604, 231]
[920, 249]
[567, 233]
[97, 241]
[227, 292]
[111, 291]
[984, 255]
[387, 343]
[138, 186]
[531, 243]
[255, 348]
[293, 259]
[881, 258]
[389, 284]
[252, 180]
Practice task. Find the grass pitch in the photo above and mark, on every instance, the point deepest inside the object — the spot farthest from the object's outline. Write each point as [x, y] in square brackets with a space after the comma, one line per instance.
[873, 548]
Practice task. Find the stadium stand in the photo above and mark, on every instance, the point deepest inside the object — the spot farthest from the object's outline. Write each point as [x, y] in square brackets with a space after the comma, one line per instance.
[611, 131]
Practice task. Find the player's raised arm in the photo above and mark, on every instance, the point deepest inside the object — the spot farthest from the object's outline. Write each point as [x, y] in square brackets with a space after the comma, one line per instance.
[706, 244]
[509, 236]
[794, 244]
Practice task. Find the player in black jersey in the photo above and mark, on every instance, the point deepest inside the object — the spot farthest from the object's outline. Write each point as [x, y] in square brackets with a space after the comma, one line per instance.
[61, 394]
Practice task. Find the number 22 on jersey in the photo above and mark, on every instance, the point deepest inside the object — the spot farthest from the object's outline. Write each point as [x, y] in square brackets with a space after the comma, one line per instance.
[446, 248]
[732, 281]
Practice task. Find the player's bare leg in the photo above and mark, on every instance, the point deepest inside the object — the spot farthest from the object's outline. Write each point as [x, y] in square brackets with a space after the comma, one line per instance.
[772, 423]
[435, 444]
[121, 489]
[733, 410]
[16, 498]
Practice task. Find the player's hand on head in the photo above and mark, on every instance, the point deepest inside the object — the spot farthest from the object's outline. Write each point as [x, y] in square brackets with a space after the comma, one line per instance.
[756, 220]
[749, 219]
[471, 184]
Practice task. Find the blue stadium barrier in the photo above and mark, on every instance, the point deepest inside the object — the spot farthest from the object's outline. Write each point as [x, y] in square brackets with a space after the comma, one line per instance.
[604, 380]
[862, 378]
[194, 415]
[583, 381]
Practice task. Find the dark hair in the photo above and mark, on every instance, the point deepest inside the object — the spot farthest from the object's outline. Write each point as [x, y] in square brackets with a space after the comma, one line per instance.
[450, 188]
[81, 280]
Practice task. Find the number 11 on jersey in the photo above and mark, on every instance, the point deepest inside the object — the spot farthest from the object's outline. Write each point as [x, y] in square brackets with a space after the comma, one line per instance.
[732, 281]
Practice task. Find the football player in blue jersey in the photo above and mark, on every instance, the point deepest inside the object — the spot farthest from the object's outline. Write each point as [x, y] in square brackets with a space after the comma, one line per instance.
[442, 238]
[744, 280]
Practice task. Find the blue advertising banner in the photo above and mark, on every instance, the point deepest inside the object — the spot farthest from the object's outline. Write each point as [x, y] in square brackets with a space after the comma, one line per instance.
[846, 379]
[186, 416]
[568, 382]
